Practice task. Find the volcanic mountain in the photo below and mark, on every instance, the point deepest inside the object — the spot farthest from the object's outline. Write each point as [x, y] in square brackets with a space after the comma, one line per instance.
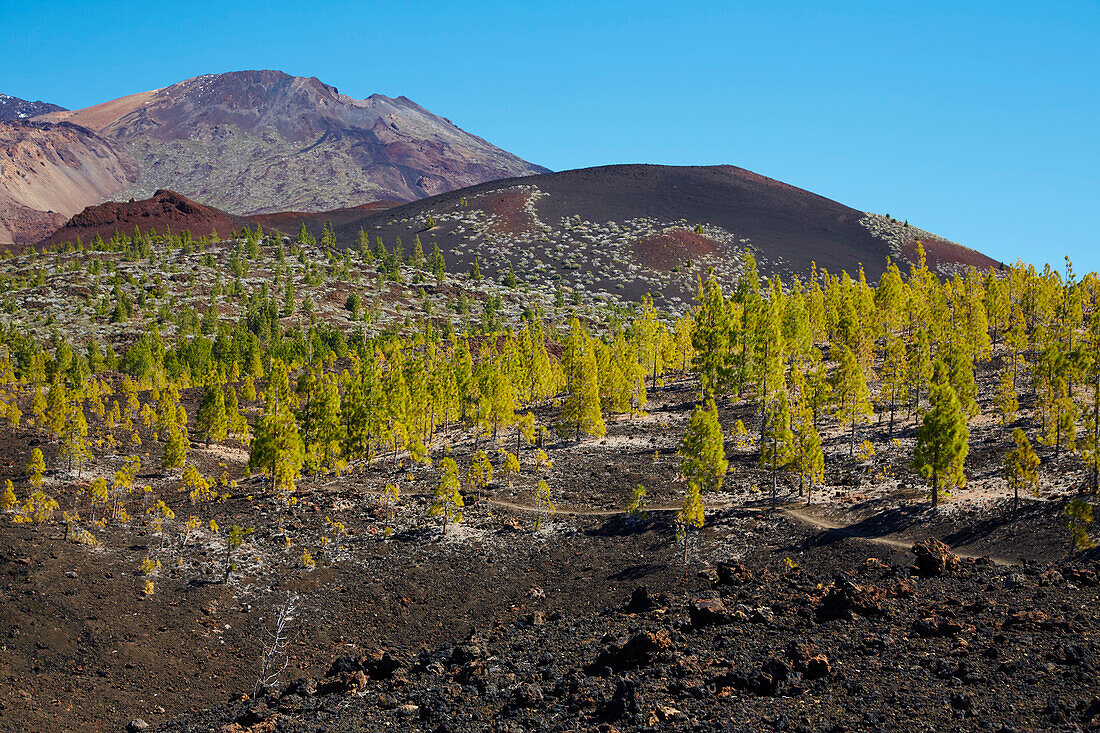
[264, 141]
[168, 210]
[165, 210]
[50, 172]
[14, 108]
[615, 231]
[630, 229]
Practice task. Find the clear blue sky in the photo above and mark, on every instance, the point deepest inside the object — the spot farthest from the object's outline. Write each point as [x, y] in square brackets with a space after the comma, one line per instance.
[980, 124]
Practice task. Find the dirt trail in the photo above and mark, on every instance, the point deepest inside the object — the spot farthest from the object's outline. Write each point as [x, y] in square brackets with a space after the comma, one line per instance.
[833, 528]
[799, 515]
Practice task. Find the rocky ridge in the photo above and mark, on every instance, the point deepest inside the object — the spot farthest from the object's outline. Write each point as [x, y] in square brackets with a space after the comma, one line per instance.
[265, 141]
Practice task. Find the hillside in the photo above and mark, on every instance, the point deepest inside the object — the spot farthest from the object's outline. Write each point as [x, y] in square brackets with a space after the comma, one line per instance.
[628, 229]
[174, 211]
[164, 210]
[809, 599]
[619, 231]
[50, 172]
[264, 141]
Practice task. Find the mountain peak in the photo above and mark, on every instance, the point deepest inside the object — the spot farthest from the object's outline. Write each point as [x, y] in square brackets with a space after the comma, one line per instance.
[261, 140]
[14, 108]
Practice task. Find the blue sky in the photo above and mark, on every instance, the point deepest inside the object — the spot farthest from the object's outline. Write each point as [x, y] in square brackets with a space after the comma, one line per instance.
[978, 123]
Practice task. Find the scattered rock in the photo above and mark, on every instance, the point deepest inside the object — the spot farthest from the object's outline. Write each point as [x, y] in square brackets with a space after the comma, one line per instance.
[873, 565]
[934, 558]
[1028, 620]
[844, 598]
[1081, 576]
[665, 714]
[135, 725]
[733, 572]
[640, 601]
[528, 695]
[817, 667]
[638, 651]
[708, 612]
[934, 626]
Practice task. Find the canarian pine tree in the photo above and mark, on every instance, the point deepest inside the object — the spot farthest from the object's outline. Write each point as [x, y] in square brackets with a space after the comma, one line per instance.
[1089, 366]
[808, 459]
[36, 467]
[769, 350]
[818, 392]
[648, 337]
[702, 453]
[744, 318]
[956, 357]
[326, 441]
[509, 467]
[544, 506]
[1078, 518]
[622, 379]
[777, 439]
[690, 516]
[850, 394]
[277, 449]
[235, 536]
[176, 442]
[211, 422]
[74, 437]
[710, 339]
[447, 503]
[920, 368]
[58, 407]
[8, 499]
[942, 437]
[895, 378]
[436, 263]
[395, 394]
[360, 409]
[1006, 400]
[1021, 467]
[581, 408]
[499, 397]
[236, 423]
[541, 381]
[480, 473]
[525, 430]
[1063, 433]
[890, 299]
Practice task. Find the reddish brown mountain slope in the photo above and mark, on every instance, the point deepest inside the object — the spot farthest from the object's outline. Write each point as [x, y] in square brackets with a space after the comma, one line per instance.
[50, 172]
[264, 141]
[166, 209]
[629, 229]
